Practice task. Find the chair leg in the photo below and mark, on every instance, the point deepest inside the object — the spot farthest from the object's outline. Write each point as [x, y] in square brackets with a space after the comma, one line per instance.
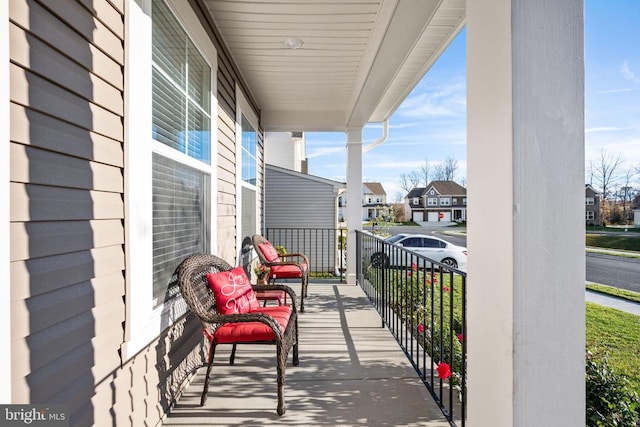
[205, 390]
[281, 361]
[232, 359]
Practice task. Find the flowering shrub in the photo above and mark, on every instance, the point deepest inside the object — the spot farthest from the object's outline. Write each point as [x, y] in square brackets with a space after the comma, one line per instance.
[610, 399]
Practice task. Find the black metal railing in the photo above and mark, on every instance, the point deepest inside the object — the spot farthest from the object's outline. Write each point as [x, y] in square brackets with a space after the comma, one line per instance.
[325, 248]
[423, 303]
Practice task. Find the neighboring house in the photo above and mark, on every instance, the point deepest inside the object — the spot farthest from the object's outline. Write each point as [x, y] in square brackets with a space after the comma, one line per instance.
[440, 201]
[374, 202]
[286, 149]
[592, 206]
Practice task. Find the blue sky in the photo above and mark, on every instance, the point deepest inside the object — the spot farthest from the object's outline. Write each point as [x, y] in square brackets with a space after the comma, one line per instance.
[430, 124]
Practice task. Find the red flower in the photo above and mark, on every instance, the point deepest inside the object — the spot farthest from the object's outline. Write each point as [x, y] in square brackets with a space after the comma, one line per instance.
[444, 370]
[421, 328]
[460, 337]
[446, 289]
[408, 274]
[414, 267]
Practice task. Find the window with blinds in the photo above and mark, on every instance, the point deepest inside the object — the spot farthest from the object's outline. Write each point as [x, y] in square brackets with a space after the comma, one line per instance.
[181, 99]
[181, 119]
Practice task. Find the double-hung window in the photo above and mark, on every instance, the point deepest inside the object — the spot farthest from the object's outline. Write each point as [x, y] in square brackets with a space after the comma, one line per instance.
[170, 171]
[432, 201]
[181, 123]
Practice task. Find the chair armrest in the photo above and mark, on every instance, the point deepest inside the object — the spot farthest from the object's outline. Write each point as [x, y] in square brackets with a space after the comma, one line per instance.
[280, 287]
[298, 255]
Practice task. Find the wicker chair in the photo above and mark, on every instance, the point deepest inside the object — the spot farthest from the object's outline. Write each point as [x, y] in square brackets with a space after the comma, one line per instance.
[283, 266]
[231, 328]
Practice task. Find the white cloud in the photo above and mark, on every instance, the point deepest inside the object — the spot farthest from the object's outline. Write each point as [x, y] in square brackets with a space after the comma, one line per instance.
[325, 151]
[627, 73]
[610, 129]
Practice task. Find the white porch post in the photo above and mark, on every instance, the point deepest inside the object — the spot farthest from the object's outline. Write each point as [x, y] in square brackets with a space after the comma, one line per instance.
[526, 264]
[354, 198]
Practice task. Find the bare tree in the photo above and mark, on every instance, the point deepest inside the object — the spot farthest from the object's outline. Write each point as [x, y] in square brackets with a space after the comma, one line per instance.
[425, 171]
[627, 192]
[450, 168]
[399, 197]
[438, 172]
[409, 181]
[603, 170]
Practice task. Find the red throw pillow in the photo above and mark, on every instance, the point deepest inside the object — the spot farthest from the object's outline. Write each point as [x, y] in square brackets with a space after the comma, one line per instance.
[269, 252]
[232, 291]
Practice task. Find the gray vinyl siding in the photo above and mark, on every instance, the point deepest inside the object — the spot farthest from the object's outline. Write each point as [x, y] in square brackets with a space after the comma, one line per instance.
[67, 209]
[293, 201]
[297, 201]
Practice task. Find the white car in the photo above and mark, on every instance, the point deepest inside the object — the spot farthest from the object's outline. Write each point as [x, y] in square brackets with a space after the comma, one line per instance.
[431, 247]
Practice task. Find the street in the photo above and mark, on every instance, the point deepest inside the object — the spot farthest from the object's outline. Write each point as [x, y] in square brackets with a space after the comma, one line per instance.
[616, 271]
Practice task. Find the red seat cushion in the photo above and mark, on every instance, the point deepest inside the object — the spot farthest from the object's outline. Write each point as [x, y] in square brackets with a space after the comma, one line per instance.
[253, 331]
[286, 271]
[232, 291]
[269, 252]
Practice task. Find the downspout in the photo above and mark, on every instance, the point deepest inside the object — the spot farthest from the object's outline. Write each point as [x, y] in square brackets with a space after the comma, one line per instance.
[383, 138]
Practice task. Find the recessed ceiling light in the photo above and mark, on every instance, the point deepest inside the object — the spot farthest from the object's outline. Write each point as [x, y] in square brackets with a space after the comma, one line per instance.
[293, 43]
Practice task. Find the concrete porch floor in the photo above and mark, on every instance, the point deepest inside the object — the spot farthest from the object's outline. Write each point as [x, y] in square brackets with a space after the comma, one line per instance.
[351, 373]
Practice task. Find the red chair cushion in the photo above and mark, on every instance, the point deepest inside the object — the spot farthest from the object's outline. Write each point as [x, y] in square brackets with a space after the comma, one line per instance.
[232, 291]
[286, 271]
[269, 252]
[253, 331]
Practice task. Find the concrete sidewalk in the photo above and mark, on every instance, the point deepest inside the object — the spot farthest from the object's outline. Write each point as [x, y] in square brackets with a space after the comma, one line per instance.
[352, 372]
[613, 302]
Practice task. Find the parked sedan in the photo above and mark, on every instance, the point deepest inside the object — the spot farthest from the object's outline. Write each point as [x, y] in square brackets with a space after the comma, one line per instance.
[429, 246]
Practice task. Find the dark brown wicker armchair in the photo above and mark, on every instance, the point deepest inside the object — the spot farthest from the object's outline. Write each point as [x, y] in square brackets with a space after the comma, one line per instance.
[223, 329]
[283, 266]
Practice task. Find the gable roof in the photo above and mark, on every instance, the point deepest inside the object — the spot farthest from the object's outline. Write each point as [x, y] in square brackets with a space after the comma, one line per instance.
[375, 187]
[416, 192]
[447, 188]
[336, 184]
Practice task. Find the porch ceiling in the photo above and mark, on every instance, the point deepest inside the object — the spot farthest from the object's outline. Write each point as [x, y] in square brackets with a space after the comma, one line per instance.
[358, 62]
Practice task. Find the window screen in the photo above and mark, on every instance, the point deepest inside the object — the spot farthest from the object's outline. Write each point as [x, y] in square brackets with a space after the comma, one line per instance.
[179, 220]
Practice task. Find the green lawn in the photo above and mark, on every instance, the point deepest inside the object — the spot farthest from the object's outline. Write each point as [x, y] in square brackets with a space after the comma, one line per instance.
[610, 290]
[613, 242]
[619, 334]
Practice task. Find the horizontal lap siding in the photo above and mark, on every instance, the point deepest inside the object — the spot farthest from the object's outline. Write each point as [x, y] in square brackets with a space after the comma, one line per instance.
[227, 225]
[67, 209]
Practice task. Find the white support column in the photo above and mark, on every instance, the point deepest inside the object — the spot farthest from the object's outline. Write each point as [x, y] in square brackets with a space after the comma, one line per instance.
[5, 252]
[525, 104]
[354, 198]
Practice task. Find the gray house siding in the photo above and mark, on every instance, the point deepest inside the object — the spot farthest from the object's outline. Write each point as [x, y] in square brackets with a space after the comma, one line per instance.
[67, 252]
[297, 201]
[67, 209]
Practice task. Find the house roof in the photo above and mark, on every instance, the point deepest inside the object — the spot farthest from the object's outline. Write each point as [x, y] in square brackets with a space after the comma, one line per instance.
[416, 192]
[375, 187]
[330, 65]
[447, 188]
[336, 184]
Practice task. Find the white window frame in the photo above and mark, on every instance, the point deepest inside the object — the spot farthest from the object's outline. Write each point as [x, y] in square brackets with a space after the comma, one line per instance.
[143, 322]
[445, 201]
[5, 216]
[590, 215]
[590, 201]
[432, 201]
[244, 108]
[464, 201]
[416, 200]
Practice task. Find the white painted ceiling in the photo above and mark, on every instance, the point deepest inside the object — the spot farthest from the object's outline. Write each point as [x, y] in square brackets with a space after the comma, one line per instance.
[359, 58]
